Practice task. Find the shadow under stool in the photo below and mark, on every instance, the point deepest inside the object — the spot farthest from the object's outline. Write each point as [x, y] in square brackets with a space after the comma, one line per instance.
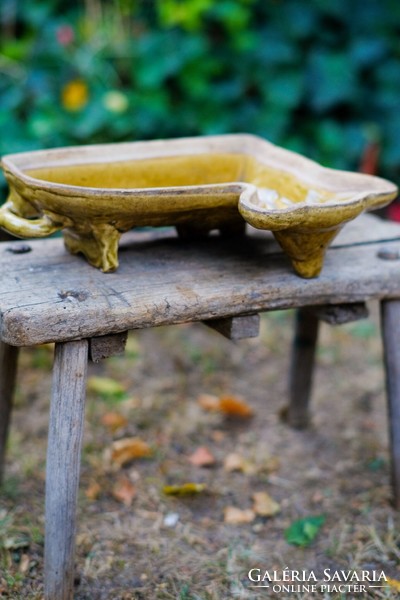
[48, 295]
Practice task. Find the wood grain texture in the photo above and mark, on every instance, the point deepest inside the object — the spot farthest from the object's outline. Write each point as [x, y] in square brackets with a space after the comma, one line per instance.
[107, 345]
[339, 314]
[390, 314]
[8, 372]
[63, 466]
[236, 328]
[49, 295]
[367, 229]
[302, 367]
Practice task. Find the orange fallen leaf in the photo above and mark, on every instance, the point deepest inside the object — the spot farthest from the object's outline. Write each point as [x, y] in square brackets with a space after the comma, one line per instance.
[93, 491]
[124, 491]
[127, 449]
[234, 407]
[237, 516]
[186, 489]
[114, 420]
[264, 505]
[208, 402]
[202, 457]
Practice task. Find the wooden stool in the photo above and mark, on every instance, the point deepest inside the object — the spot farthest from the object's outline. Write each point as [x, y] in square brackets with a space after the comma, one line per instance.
[47, 295]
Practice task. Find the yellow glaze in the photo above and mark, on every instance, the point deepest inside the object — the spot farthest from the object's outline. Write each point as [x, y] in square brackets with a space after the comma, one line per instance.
[94, 193]
[202, 169]
[178, 171]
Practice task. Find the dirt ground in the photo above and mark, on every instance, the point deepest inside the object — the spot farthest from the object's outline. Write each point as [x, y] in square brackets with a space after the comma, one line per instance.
[135, 542]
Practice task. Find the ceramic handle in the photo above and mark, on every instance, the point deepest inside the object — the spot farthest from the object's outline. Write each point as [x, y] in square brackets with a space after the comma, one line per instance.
[21, 227]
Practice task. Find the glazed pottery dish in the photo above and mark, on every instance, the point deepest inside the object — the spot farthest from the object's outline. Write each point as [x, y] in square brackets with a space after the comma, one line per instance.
[95, 193]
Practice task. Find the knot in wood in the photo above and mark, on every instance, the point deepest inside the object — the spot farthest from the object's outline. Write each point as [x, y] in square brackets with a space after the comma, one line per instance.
[80, 295]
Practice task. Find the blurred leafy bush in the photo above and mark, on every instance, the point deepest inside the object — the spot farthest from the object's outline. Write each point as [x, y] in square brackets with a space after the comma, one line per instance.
[321, 77]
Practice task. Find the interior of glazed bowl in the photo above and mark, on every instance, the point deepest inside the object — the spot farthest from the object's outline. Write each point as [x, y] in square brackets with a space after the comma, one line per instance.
[276, 188]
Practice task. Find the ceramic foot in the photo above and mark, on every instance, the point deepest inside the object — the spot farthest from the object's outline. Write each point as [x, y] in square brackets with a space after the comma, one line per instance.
[99, 245]
[306, 249]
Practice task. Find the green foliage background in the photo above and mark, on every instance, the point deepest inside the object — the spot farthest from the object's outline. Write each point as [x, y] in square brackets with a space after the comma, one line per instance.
[321, 77]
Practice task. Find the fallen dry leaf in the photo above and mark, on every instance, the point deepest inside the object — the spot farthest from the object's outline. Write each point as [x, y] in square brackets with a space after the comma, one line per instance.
[237, 516]
[208, 402]
[124, 491]
[127, 449]
[264, 505]
[105, 386]
[132, 402]
[229, 405]
[202, 457]
[93, 491]
[24, 564]
[114, 420]
[236, 462]
[270, 464]
[15, 543]
[186, 489]
[218, 436]
[233, 462]
[234, 407]
[393, 583]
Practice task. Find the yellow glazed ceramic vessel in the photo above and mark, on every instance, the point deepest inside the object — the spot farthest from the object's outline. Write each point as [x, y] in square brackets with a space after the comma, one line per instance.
[95, 193]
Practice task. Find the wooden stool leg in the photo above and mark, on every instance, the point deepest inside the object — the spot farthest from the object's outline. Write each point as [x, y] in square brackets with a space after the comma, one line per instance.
[8, 372]
[390, 315]
[301, 367]
[63, 465]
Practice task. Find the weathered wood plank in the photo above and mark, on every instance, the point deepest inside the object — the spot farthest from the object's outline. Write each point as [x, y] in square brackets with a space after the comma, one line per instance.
[49, 295]
[8, 372]
[107, 345]
[63, 465]
[367, 229]
[236, 328]
[339, 314]
[302, 367]
[390, 314]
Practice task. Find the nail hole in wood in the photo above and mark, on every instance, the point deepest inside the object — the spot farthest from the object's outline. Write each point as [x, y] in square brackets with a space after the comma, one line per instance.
[388, 254]
[19, 249]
